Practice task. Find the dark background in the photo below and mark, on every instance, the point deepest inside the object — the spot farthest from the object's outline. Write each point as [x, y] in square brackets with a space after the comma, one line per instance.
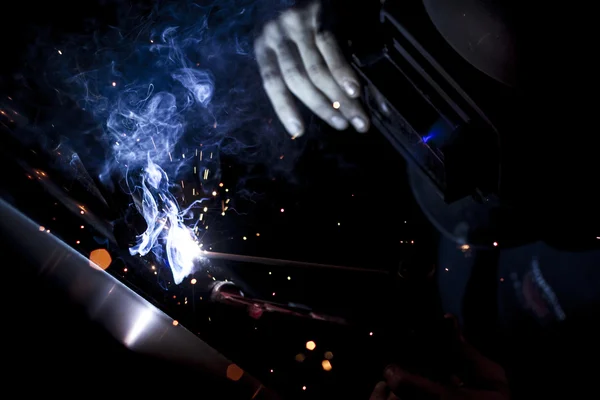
[346, 202]
[346, 178]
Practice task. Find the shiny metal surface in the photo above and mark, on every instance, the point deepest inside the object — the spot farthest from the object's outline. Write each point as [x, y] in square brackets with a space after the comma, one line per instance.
[129, 318]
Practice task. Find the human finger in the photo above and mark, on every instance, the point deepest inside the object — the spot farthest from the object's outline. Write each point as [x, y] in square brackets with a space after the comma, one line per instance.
[380, 392]
[296, 79]
[341, 70]
[480, 366]
[319, 74]
[278, 93]
[322, 79]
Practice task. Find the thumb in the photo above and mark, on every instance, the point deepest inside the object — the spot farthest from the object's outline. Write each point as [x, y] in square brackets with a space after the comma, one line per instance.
[380, 392]
[455, 327]
[399, 381]
[468, 352]
[482, 366]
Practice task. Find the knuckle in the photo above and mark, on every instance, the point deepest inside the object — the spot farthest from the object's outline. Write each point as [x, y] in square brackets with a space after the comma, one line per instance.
[271, 86]
[274, 87]
[270, 31]
[270, 77]
[280, 46]
[316, 70]
[326, 37]
[292, 72]
[341, 70]
[324, 110]
[292, 18]
[350, 109]
[295, 25]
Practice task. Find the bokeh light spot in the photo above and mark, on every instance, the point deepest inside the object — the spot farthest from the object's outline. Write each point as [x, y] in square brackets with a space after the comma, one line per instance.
[234, 372]
[101, 258]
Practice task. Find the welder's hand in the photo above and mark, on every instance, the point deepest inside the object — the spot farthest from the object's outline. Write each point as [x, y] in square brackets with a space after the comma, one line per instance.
[483, 380]
[296, 57]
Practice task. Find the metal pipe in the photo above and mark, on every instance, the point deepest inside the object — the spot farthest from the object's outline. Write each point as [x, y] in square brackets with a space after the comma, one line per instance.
[285, 263]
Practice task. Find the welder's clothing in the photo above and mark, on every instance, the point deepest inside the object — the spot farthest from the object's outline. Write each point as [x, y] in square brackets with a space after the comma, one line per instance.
[533, 306]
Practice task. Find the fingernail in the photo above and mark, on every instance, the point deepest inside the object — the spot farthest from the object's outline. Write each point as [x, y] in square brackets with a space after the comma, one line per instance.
[351, 88]
[294, 128]
[359, 124]
[339, 122]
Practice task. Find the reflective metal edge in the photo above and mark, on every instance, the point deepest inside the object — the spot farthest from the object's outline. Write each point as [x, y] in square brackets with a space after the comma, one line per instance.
[129, 318]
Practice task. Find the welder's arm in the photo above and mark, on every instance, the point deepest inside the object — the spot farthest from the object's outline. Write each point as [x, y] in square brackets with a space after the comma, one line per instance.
[297, 58]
